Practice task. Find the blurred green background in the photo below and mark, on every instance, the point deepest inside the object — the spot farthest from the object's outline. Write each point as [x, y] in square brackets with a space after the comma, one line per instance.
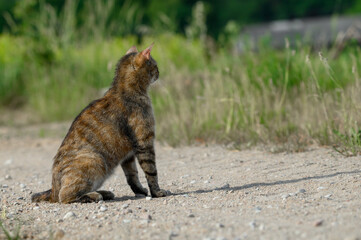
[56, 56]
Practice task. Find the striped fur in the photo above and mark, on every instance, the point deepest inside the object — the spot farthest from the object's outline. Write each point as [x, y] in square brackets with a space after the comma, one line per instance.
[115, 129]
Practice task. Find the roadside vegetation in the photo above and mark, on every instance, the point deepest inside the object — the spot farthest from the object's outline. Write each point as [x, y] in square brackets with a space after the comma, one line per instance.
[290, 98]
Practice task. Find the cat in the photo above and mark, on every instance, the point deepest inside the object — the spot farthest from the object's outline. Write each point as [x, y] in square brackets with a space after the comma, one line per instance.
[112, 130]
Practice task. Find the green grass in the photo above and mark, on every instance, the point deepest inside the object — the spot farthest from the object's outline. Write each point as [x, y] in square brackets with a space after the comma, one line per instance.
[8, 235]
[291, 97]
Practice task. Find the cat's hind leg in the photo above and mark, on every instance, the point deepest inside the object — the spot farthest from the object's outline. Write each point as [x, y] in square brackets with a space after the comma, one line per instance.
[131, 173]
[81, 178]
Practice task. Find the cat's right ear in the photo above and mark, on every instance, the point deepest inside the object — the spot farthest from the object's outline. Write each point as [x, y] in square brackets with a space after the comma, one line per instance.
[133, 49]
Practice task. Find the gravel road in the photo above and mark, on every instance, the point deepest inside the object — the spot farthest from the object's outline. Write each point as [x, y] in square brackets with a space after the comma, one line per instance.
[216, 193]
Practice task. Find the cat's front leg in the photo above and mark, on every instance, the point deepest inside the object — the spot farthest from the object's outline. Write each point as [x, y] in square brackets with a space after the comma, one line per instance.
[146, 158]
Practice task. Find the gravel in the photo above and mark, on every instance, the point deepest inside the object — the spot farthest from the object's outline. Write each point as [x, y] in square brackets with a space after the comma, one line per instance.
[250, 194]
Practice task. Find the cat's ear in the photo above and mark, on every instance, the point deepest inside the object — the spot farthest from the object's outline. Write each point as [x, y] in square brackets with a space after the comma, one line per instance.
[133, 49]
[146, 52]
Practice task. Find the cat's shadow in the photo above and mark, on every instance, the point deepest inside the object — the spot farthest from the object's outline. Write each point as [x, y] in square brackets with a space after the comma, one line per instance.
[263, 184]
[125, 198]
[242, 187]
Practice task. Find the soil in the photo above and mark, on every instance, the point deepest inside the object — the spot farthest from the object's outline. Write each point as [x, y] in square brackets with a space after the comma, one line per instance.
[214, 193]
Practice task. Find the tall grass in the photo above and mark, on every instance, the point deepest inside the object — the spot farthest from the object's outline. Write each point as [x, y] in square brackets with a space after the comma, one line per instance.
[293, 97]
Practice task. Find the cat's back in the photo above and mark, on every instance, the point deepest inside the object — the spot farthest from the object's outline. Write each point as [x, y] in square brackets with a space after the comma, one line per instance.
[97, 129]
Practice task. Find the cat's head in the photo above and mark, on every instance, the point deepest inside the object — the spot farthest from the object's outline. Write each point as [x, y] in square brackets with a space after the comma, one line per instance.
[138, 66]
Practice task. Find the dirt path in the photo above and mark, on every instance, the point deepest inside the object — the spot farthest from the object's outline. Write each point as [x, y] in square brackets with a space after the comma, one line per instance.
[216, 194]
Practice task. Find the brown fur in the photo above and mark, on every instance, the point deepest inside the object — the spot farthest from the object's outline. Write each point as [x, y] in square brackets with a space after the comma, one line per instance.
[112, 130]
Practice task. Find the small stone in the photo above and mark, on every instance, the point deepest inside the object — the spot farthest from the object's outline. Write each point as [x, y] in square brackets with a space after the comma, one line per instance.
[69, 215]
[59, 234]
[144, 221]
[205, 182]
[59, 220]
[252, 224]
[20, 198]
[5, 186]
[257, 209]
[124, 206]
[191, 215]
[101, 202]
[8, 162]
[302, 190]
[36, 208]
[318, 223]
[103, 208]
[220, 225]
[22, 185]
[328, 195]
[225, 185]
[148, 198]
[126, 221]
[8, 177]
[146, 216]
[261, 227]
[193, 182]
[320, 188]
[285, 196]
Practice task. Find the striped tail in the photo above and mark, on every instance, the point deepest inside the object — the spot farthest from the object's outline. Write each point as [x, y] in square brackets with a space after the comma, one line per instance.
[41, 196]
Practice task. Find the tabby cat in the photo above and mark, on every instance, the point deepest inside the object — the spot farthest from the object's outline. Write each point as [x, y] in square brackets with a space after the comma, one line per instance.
[112, 130]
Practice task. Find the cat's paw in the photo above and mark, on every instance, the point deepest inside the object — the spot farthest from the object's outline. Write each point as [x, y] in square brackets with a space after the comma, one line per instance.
[159, 193]
[140, 191]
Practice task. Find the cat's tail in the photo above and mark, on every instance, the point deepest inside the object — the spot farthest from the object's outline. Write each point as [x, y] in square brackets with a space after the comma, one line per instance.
[41, 196]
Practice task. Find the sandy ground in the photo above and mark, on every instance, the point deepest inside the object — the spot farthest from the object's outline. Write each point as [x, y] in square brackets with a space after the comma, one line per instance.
[215, 194]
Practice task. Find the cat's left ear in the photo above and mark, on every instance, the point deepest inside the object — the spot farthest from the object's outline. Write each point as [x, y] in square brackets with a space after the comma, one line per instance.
[146, 52]
[133, 49]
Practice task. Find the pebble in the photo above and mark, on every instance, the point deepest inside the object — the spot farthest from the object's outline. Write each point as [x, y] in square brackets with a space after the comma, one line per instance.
[148, 198]
[261, 227]
[22, 185]
[124, 206]
[5, 186]
[220, 225]
[69, 215]
[59, 220]
[320, 188]
[226, 185]
[191, 215]
[103, 208]
[318, 223]
[328, 195]
[8, 162]
[193, 182]
[8, 177]
[144, 221]
[285, 196]
[101, 202]
[146, 216]
[302, 190]
[252, 224]
[36, 208]
[126, 221]
[257, 209]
